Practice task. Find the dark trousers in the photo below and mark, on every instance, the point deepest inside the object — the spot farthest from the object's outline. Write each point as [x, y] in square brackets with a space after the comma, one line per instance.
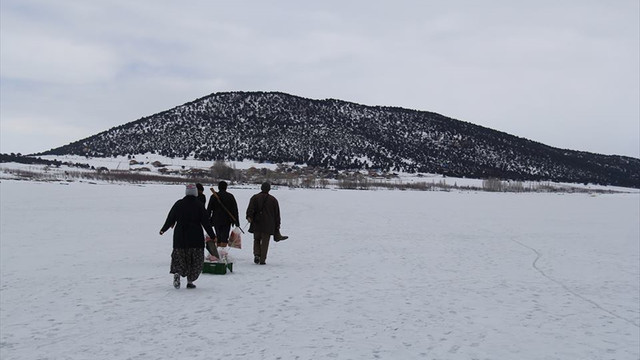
[261, 245]
[222, 232]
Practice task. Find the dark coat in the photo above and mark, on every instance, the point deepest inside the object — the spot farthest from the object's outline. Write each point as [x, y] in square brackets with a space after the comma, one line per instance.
[189, 216]
[220, 216]
[264, 212]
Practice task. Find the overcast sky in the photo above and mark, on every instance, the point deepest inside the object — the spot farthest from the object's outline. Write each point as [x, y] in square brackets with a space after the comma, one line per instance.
[562, 72]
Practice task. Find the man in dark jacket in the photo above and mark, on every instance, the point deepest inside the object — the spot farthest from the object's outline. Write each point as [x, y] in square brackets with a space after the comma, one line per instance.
[189, 216]
[263, 213]
[223, 210]
[201, 196]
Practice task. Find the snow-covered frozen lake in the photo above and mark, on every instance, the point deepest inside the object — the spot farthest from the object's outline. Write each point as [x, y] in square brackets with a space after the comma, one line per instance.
[364, 275]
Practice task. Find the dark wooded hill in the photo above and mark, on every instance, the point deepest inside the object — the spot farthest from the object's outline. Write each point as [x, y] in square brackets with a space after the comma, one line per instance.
[277, 127]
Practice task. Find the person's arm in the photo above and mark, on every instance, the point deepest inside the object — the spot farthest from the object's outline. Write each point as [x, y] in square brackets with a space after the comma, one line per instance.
[249, 215]
[277, 214]
[171, 219]
[204, 221]
[210, 206]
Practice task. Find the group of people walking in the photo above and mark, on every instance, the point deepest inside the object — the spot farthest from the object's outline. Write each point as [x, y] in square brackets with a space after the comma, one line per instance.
[189, 216]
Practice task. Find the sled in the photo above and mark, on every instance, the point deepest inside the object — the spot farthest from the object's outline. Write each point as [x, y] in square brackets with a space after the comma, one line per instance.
[217, 268]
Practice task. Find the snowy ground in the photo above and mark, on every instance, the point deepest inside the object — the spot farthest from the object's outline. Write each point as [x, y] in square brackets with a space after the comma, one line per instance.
[365, 275]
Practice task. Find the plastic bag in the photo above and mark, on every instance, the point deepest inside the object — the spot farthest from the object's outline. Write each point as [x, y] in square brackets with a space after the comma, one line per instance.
[211, 258]
[224, 254]
[235, 239]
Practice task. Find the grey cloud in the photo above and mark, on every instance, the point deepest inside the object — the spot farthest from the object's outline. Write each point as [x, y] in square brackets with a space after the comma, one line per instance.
[559, 72]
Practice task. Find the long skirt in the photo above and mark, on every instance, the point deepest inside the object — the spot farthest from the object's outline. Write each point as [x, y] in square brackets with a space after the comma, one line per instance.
[187, 262]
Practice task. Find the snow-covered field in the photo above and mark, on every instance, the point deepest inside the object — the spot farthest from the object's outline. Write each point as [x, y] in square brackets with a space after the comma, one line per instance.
[364, 275]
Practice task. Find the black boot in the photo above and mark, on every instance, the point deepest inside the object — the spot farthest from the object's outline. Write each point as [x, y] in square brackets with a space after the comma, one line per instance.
[279, 237]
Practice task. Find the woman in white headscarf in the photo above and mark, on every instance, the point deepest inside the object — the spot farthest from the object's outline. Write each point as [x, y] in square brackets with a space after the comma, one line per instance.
[188, 217]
